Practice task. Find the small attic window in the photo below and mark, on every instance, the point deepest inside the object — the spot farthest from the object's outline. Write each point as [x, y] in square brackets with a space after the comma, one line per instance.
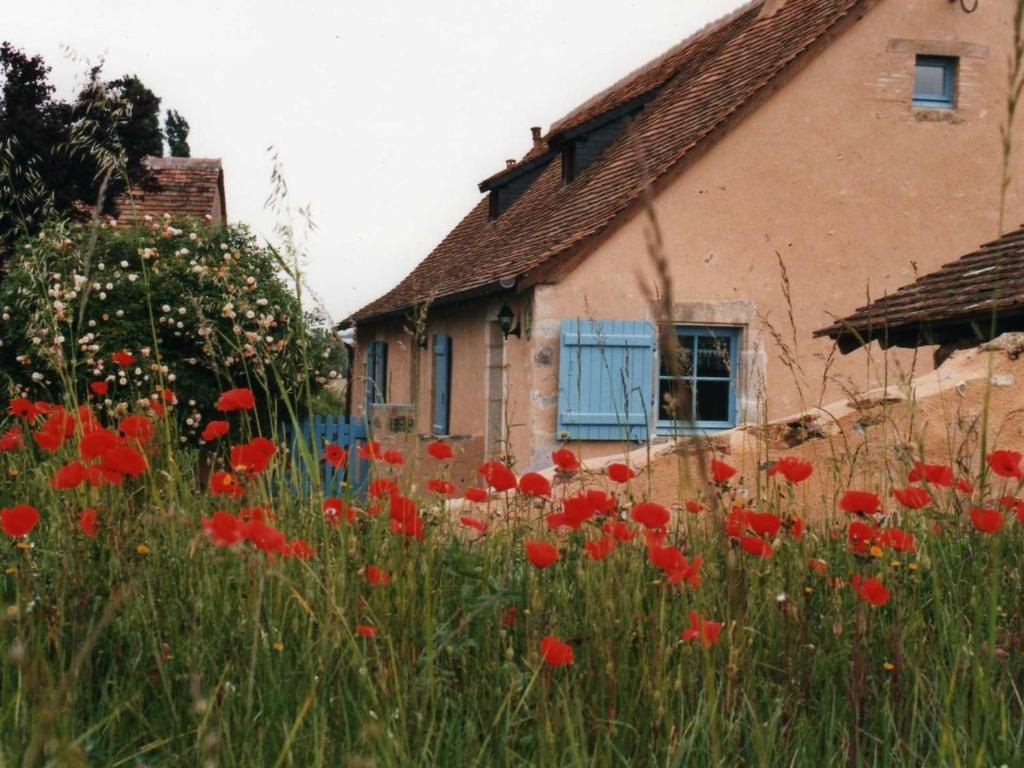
[934, 80]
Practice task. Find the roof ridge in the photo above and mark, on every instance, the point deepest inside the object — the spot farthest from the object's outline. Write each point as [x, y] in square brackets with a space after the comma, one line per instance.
[700, 33]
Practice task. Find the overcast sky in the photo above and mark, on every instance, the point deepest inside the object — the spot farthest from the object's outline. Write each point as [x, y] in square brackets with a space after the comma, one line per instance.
[385, 115]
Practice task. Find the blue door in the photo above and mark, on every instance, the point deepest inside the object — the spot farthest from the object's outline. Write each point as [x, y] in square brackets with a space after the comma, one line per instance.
[442, 384]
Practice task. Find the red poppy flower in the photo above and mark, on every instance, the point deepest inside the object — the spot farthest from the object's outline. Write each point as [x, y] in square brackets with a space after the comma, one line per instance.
[533, 484]
[736, 522]
[223, 529]
[370, 451]
[215, 430]
[870, 590]
[796, 528]
[335, 455]
[238, 399]
[99, 388]
[707, 632]
[912, 497]
[619, 530]
[933, 474]
[475, 523]
[156, 406]
[555, 652]
[1005, 463]
[408, 525]
[97, 442]
[382, 486]
[694, 507]
[299, 548]
[475, 494]
[87, 522]
[225, 484]
[497, 475]
[124, 358]
[819, 566]
[565, 460]
[963, 486]
[69, 476]
[441, 487]
[987, 520]
[620, 473]
[252, 457]
[138, 427]
[18, 520]
[394, 458]
[675, 565]
[335, 511]
[57, 428]
[265, 537]
[600, 549]
[895, 539]
[720, 471]
[859, 502]
[576, 510]
[541, 554]
[654, 537]
[793, 469]
[11, 439]
[22, 408]
[377, 576]
[440, 450]
[124, 461]
[756, 546]
[649, 514]
[365, 630]
[861, 535]
[764, 523]
[603, 503]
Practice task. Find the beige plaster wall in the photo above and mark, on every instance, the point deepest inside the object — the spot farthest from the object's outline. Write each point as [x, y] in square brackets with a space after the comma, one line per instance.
[856, 191]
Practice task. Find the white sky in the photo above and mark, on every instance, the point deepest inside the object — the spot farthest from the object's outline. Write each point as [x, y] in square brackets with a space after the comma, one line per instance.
[385, 115]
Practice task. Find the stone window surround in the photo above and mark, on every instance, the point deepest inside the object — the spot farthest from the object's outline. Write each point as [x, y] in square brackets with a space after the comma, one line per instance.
[735, 313]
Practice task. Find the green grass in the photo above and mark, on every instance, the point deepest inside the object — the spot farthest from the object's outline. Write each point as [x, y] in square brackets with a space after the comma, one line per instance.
[193, 655]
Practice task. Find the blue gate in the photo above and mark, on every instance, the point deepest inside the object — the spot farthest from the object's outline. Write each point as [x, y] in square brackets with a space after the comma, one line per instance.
[315, 434]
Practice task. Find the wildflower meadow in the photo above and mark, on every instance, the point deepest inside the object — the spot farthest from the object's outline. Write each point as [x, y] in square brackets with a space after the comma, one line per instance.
[173, 603]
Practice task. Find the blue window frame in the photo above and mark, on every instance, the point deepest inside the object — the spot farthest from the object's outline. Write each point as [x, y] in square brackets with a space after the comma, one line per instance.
[700, 390]
[934, 78]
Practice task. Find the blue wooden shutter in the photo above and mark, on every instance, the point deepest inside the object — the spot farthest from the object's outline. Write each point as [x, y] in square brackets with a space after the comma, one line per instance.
[442, 383]
[606, 379]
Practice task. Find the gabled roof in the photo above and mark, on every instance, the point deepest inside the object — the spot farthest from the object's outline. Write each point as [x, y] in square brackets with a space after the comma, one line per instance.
[699, 85]
[958, 301]
[184, 187]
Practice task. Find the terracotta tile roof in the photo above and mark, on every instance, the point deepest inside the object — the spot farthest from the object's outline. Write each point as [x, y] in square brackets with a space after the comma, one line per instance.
[957, 299]
[181, 186]
[701, 84]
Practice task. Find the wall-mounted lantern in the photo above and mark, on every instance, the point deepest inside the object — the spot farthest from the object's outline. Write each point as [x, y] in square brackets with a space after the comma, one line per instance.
[505, 319]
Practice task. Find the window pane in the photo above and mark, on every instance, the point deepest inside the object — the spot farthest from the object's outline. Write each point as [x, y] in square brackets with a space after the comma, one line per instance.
[714, 356]
[675, 398]
[713, 400]
[684, 361]
[930, 80]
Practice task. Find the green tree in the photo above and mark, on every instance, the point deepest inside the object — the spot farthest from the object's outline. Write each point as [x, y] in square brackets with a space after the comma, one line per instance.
[176, 130]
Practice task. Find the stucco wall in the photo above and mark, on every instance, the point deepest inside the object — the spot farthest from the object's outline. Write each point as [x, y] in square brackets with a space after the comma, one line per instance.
[837, 175]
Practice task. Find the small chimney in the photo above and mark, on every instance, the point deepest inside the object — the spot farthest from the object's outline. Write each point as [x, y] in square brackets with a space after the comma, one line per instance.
[510, 164]
[535, 133]
[770, 8]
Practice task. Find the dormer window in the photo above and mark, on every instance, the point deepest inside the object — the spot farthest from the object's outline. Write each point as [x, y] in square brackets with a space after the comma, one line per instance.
[934, 81]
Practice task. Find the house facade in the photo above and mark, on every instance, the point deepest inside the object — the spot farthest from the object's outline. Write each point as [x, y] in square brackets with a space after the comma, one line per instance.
[785, 163]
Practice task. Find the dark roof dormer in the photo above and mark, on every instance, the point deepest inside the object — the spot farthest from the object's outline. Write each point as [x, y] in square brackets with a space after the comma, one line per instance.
[508, 185]
[583, 144]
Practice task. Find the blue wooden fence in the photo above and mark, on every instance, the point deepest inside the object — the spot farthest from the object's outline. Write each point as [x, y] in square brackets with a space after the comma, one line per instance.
[315, 434]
